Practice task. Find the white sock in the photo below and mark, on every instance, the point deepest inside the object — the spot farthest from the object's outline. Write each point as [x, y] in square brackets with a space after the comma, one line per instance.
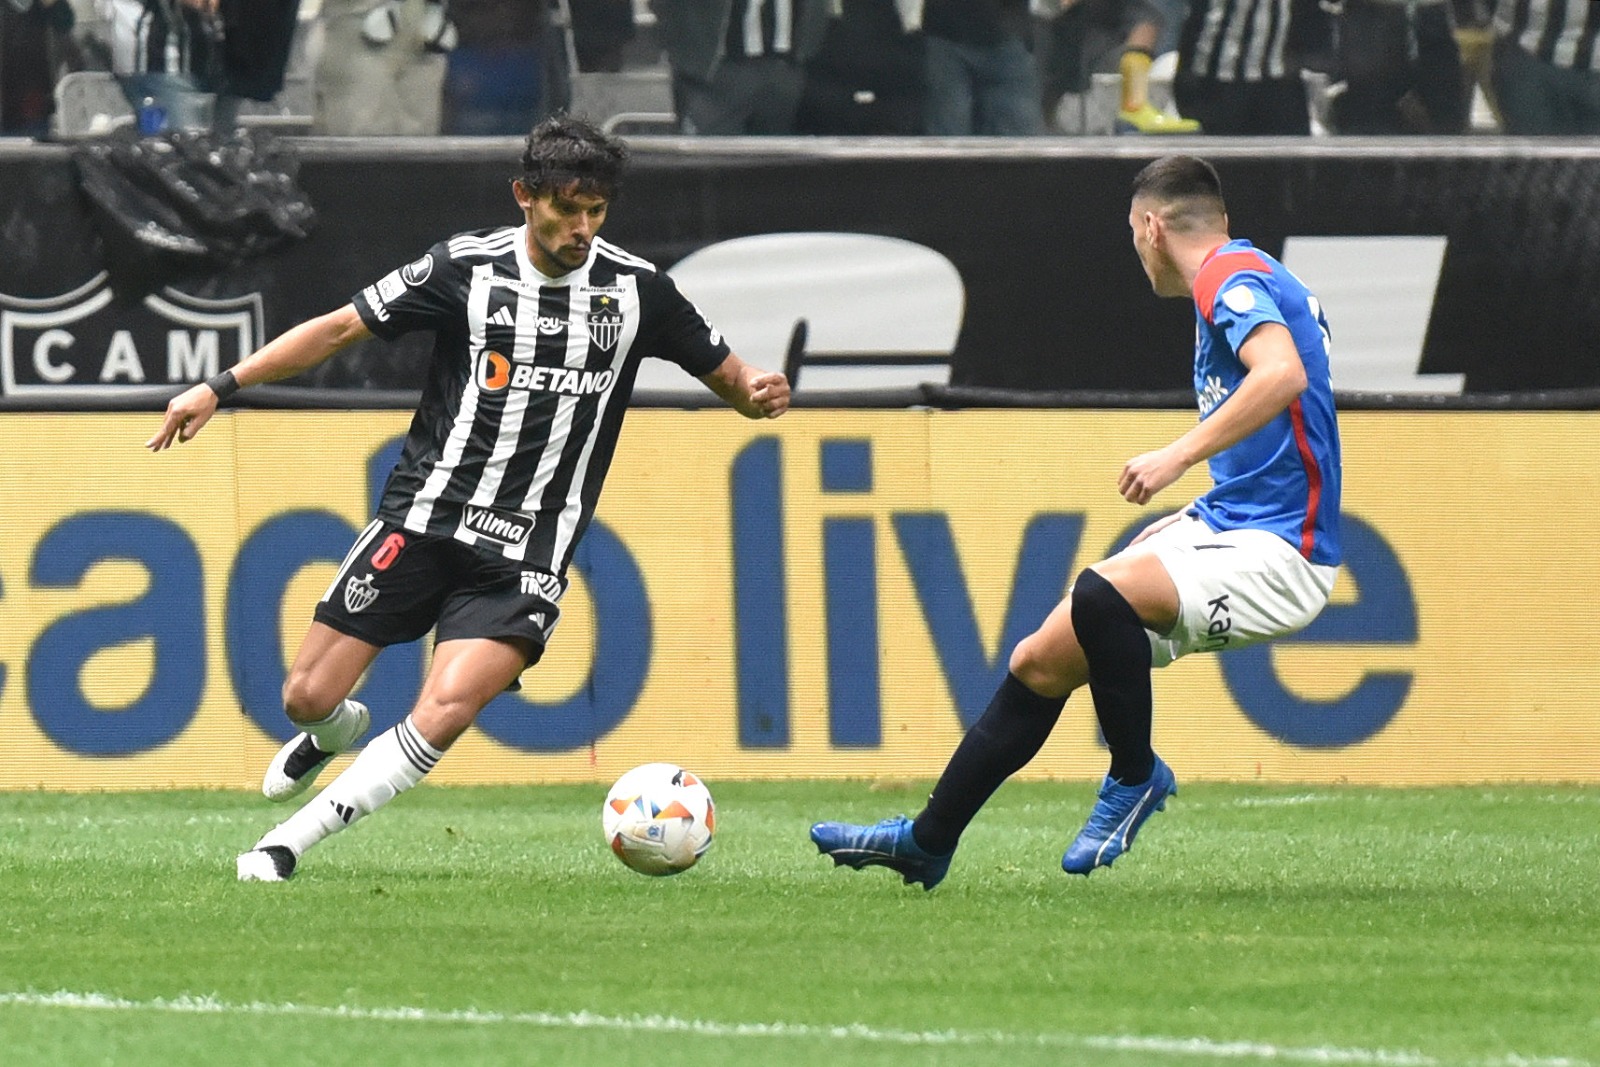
[327, 733]
[392, 762]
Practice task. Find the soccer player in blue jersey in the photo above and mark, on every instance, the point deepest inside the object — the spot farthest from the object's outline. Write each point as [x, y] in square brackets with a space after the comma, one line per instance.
[1252, 559]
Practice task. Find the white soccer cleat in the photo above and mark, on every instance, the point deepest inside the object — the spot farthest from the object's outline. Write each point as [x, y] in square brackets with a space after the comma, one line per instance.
[301, 759]
[271, 863]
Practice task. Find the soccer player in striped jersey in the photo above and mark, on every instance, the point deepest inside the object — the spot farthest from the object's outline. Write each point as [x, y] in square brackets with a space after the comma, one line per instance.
[539, 331]
[1239, 64]
[1547, 66]
[1252, 559]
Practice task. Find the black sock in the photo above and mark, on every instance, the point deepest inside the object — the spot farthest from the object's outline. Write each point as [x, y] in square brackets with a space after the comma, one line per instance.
[1118, 649]
[1008, 735]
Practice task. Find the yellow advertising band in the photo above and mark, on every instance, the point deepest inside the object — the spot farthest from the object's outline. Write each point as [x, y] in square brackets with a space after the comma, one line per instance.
[831, 595]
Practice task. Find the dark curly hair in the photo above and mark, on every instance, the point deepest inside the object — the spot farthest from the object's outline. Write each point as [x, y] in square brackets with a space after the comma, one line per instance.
[563, 150]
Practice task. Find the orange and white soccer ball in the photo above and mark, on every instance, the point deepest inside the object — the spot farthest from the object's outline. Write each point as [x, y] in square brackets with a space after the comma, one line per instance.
[659, 819]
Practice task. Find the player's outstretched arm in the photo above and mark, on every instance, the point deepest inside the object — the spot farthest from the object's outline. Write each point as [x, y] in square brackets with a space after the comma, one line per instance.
[296, 350]
[751, 391]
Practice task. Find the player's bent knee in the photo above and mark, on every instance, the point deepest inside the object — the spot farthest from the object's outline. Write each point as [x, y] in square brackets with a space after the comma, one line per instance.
[1096, 601]
[308, 699]
[1046, 668]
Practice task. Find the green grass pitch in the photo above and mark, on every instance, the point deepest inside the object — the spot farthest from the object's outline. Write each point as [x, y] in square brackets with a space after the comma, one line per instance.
[483, 926]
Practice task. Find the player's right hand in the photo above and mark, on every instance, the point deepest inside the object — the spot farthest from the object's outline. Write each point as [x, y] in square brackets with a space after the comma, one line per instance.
[186, 414]
[1145, 476]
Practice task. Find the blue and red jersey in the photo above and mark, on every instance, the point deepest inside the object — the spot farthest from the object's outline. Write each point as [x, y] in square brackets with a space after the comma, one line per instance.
[1285, 477]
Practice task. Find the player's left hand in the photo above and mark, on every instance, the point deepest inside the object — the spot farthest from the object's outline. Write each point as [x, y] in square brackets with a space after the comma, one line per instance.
[769, 392]
[186, 414]
[1145, 476]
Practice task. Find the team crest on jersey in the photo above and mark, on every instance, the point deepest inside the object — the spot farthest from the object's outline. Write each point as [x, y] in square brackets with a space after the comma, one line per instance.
[416, 273]
[605, 321]
[359, 593]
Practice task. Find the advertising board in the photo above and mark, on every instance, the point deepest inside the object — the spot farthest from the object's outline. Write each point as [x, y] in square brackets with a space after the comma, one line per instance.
[831, 595]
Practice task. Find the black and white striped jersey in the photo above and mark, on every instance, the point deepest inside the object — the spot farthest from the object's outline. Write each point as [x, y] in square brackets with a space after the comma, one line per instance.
[527, 387]
[1242, 40]
[1561, 32]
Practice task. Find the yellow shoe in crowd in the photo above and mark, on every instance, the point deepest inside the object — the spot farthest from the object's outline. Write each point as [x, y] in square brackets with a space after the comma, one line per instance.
[1150, 119]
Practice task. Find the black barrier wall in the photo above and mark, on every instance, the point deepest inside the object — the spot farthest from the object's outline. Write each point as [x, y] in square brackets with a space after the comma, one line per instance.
[1052, 297]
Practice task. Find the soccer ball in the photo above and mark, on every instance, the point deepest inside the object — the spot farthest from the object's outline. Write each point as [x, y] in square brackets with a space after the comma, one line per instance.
[659, 819]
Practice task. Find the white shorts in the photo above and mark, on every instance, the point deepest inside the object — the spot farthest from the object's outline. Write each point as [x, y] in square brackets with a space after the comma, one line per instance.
[1235, 588]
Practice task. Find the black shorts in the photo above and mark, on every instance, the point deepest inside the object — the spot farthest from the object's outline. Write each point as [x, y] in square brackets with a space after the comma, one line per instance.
[395, 585]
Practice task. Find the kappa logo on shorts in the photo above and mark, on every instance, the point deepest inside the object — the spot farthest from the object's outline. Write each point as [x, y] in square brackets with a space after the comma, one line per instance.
[359, 593]
[1221, 622]
[504, 527]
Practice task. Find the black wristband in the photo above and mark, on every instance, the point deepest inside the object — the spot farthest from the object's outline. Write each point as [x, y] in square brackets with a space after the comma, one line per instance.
[224, 385]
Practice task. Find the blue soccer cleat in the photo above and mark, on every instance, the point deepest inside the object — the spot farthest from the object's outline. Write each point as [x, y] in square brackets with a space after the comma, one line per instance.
[885, 844]
[1116, 819]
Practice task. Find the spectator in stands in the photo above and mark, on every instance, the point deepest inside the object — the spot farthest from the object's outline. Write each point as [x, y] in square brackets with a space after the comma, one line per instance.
[1475, 39]
[195, 61]
[494, 80]
[737, 65]
[1401, 68]
[1240, 63]
[253, 53]
[35, 45]
[601, 30]
[1547, 66]
[867, 78]
[382, 67]
[164, 53]
[982, 77]
[1115, 36]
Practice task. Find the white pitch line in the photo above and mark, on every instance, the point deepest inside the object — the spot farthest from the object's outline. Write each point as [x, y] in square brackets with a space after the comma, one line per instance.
[1276, 802]
[1200, 1048]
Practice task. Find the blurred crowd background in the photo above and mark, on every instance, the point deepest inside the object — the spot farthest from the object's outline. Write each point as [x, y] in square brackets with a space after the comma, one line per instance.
[75, 68]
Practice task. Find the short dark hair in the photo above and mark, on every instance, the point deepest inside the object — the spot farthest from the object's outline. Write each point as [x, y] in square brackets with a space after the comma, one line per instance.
[1186, 187]
[563, 151]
